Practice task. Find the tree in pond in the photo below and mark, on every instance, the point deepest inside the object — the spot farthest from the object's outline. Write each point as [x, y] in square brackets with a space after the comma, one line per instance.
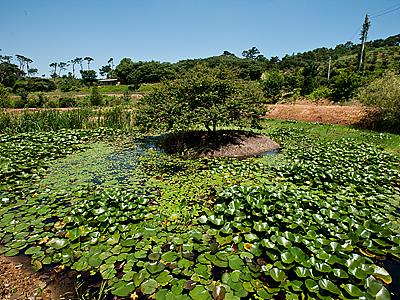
[203, 97]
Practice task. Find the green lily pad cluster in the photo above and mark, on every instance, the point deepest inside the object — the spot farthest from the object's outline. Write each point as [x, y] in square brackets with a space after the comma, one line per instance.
[307, 224]
[303, 242]
[25, 157]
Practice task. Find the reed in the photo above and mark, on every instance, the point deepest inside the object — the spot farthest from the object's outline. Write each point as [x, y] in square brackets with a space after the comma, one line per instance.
[53, 119]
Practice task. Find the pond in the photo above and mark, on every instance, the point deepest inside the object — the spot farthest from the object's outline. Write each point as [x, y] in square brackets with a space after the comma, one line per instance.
[262, 227]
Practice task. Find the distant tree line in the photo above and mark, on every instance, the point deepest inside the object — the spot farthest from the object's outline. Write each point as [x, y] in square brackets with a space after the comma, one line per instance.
[320, 73]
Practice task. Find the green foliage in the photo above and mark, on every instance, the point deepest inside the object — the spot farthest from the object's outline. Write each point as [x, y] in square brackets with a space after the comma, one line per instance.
[38, 101]
[345, 85]
[9, 74]
[68, 83]
[5, 99]
[96, 98]
[272, 84]
[322, 92]
[50, 120]
[23, 93]
[384, 93]
[88, 76]
[105, 70]
[310, 76]
[66, 101]
[202, 97]
[34, 85]
[251, 53]
[136, 73]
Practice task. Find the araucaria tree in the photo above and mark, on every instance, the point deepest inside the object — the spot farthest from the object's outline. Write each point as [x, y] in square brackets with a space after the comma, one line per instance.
[202, 98]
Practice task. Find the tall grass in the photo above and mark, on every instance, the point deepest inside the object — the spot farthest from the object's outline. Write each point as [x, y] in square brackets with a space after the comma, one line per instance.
[51, 120]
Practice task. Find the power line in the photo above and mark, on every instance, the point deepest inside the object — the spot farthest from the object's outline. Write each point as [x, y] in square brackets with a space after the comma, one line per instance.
[377, 14]
[384, 10]
[385, 13]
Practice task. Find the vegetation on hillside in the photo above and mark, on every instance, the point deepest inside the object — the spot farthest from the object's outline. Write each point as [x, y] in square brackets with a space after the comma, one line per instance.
[304, 74]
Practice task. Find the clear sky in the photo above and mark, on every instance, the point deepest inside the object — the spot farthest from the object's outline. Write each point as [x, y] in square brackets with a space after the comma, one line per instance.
[170, 30]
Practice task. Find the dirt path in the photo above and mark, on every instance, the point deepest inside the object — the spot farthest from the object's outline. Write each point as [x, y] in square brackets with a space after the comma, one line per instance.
[327, 114]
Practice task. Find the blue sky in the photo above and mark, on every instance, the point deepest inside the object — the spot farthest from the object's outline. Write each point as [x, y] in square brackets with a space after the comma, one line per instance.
[171, 30]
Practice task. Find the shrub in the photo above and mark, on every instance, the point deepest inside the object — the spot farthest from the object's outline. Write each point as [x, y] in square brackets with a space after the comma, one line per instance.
[37, 101]
[67, 101]
[345, 85]
[272, 83]
[51, 103]
[384, 93]
[68, 83]
[23, 93]
[35, 85]
[88, 76]
[321, 92]
[5, 99]
[95, 97]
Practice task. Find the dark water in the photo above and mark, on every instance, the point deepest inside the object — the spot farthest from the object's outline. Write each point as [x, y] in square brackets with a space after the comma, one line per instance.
[271, 152]
[393, 267]
[121, 163]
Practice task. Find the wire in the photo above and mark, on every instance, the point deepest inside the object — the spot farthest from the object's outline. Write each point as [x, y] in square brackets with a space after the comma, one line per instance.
[377, 14]
[384, 10]
[385, 13]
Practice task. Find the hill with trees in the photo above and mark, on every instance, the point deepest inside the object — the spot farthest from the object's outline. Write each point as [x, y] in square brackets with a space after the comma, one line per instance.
[320, 73]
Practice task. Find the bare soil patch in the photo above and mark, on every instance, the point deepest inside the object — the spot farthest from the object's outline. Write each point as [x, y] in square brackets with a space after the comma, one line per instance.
[224, 143]
[18, 280]
[323, 113]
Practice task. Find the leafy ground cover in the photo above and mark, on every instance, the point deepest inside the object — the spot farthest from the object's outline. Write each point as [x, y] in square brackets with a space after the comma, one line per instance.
[316, 221]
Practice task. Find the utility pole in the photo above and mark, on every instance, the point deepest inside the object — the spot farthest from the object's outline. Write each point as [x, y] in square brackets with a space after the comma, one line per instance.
[329, 68]
[363, 38]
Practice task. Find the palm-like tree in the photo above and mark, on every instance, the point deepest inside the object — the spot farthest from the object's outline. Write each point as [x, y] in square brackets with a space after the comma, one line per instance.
[27, 62]
[88, 59]
[73, 63]
[76, 61]
[111, 62]
[54, 65]
[62, 66]
[23, 62]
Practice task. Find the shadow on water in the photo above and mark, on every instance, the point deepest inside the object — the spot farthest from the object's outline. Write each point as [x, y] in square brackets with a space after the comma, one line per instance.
[392, 265]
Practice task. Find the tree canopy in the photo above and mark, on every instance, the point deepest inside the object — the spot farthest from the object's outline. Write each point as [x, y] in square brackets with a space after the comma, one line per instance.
[203, 97]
